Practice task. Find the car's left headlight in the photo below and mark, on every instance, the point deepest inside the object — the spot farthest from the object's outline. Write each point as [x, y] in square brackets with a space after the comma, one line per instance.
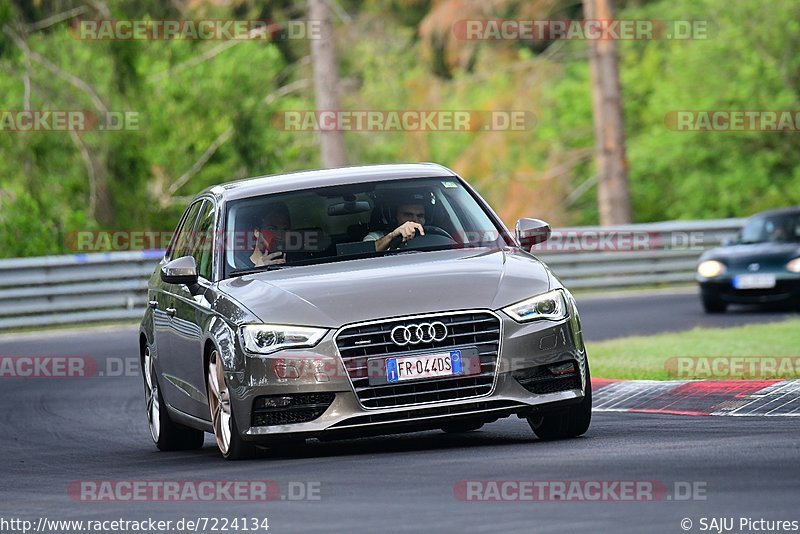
[793, 266]
[269, 338]
[551, 305]
[711, 269]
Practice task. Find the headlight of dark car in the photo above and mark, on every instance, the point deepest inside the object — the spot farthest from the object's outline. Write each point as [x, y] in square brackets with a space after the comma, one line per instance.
[265, 339]
[711, 268]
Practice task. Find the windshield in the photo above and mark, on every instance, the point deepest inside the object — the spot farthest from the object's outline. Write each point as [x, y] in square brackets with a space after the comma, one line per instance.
[355, 221]
[772, 229]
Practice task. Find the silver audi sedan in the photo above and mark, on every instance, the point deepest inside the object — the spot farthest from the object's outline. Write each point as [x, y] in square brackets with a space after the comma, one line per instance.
[356, 301]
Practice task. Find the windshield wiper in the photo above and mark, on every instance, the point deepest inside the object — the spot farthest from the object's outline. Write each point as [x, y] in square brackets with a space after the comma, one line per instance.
[414, 250]
[273, 267]
[398, 251]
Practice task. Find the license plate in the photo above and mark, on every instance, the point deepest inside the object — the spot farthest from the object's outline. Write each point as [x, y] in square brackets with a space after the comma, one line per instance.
[754, 281]
[424, 366]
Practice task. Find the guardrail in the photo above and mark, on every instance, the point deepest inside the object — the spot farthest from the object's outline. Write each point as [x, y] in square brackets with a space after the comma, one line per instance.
[83, 288]
[80, 288]
[662, 253]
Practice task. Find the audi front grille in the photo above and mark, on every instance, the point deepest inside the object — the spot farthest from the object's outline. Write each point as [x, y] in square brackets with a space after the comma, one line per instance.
[477, 332]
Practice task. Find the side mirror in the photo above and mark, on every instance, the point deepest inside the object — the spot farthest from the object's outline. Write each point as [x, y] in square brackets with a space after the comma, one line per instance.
[180, 271]
[531, 232]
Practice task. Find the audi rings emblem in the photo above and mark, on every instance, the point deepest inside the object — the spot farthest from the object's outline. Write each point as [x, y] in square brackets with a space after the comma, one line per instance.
[413, 334]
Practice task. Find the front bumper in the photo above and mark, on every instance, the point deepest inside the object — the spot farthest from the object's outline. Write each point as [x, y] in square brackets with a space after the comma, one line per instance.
[522, 386]
[787, 289]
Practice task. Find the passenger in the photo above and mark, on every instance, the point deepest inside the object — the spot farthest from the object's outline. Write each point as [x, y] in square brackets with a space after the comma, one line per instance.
[268, 233]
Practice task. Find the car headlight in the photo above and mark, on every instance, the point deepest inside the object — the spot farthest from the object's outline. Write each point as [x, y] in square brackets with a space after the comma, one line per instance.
[793, 266]
[711, 268]
[550, 305]
[269, 338]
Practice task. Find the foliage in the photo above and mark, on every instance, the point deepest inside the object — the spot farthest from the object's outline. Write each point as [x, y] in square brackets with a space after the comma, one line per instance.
[395, 55]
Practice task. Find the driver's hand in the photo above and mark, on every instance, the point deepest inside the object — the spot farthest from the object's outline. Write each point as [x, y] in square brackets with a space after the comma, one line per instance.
[270, 259]
[408, 230]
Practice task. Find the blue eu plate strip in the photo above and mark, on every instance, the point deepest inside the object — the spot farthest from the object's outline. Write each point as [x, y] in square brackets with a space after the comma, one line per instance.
[391, 370]
[455, 361]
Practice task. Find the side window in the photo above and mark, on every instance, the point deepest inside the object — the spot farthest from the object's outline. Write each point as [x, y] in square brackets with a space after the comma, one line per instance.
[203, 246]
[182, 241]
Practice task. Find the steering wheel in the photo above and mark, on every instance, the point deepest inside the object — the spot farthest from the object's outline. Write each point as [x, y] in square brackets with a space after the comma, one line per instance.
[397, 242]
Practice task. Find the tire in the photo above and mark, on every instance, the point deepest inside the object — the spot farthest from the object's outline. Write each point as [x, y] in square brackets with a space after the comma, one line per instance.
[166, 434]
[461, 427]
[714, 305]
[223, 420]
[568, 423]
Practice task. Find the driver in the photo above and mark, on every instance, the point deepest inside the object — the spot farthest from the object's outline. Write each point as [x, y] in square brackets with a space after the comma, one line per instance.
[409, 215]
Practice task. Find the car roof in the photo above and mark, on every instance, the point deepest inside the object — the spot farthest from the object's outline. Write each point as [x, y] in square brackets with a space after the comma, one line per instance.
[281, 183]
[793, 210]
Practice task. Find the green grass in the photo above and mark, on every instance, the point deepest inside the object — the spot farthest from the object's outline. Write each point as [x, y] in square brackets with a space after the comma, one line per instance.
[770, 351]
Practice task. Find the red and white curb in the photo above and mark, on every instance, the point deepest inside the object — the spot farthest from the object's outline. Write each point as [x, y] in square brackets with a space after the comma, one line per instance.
[698, 397]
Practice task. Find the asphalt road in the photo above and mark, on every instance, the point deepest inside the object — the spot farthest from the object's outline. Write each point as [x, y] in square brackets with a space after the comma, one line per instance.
[56, 431]
[621, 315]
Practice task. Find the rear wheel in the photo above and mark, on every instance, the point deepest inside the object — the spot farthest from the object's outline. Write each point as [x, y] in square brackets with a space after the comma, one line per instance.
[714, 304]
[568, 423]
[166, 434]
[226, 432]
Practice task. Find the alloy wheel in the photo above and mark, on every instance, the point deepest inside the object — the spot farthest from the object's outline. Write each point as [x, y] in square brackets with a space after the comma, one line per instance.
[219, 402]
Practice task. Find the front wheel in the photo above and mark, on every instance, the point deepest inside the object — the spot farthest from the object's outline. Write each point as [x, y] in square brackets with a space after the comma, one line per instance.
[569, 423]
[166, 434]
[226, 432]
[714, 305]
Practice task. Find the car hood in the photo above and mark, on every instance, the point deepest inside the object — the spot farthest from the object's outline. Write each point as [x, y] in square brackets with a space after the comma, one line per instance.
[335, 294]
[766, 254]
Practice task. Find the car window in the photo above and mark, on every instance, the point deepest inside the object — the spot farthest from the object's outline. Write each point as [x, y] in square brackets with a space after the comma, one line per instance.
[182, 241]
[337, 223]
[203, 246]
[774, 228]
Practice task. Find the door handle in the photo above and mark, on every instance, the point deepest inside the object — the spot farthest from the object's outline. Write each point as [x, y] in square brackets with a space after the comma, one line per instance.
[170, 312]
[153, 304]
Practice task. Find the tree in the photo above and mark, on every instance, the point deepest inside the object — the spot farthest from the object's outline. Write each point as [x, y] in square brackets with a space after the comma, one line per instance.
[326, 82]
[613, 196]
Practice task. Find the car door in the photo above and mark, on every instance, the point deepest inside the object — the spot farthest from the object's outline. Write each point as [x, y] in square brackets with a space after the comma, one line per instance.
[169, 365]
[192, 313]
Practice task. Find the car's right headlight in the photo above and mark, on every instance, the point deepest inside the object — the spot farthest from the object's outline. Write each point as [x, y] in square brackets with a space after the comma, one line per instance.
[550, 305]
[793, 266]
[269, 338]
[711, 268]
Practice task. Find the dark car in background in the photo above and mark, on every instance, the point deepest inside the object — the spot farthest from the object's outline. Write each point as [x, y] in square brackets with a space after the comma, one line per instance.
[453, 328]
[761, 266]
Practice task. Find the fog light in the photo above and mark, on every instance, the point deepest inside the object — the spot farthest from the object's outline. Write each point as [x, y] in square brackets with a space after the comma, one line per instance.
[563, 369]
